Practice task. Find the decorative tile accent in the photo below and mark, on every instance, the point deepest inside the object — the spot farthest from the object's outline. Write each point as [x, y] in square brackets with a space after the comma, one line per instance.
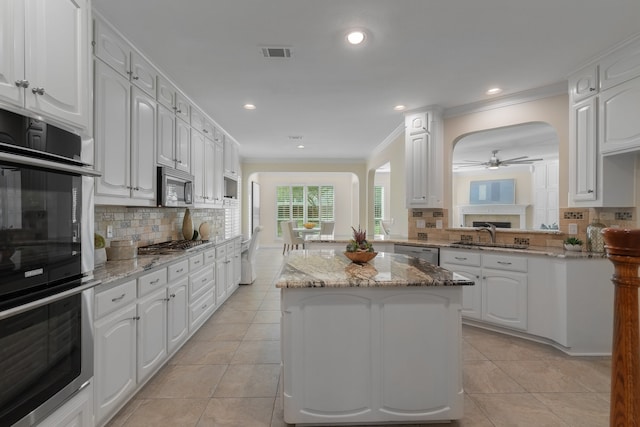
[417, 213]
[573, 215]
[438, 214]
[423, 236]
[521, 241]
[430, 225]
[466, 238]
[624, 216]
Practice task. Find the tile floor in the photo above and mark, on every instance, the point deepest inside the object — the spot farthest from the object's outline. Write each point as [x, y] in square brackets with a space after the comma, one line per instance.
[228, 374]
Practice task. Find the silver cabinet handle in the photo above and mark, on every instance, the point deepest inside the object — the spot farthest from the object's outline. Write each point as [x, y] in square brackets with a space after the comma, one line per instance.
[204, 280]
[205, 131]
[153, 282]
[592, 89]
[22, 83]
[135, 318]
[589, 191]
[477, 277]
[166, 299]
[504, 263]
[204, 306]
[459, 258]
[484, 277]
[196, 262]
[135, 77]
[118, 298]
[38, 91]
[172, 295]
[180, 271]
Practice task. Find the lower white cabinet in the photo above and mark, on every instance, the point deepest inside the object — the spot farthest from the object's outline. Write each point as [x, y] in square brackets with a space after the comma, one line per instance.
[77, 412]
[152, 333]
[177, 319]
[500, 293]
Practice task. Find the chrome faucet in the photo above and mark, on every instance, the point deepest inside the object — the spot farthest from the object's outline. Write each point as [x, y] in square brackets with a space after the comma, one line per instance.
[491, 229]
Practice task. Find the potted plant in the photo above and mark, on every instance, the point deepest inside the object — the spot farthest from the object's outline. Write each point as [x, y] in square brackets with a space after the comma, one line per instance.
[573, 244]
[100, 254]
[358, 249]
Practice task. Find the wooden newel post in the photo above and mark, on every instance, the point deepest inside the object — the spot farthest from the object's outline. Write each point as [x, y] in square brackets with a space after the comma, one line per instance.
[623, 250]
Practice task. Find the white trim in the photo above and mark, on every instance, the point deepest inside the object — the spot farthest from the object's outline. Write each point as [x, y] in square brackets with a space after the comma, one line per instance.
[520, 210]
[387, 141]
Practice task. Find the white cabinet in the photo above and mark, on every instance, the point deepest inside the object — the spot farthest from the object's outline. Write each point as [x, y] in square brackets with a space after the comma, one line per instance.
[113, 50]
[500, 293]
[231, 159]
[207, 188]
[174, 141]
[202, 284]
[605, 103]
[169, 96]
[545, 193]
[125, 134]
[177, 316]
[198, 167]
[45, 58]
[221, 274]
[423, 159]
[77, 412]
[152, 333]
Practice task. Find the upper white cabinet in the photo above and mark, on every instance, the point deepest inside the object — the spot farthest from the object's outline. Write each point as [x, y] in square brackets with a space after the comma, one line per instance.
[111, 48]
[169, 96]
[44, 66]
[174, 141]
[231, 159]
[605, 104]
[423, 159]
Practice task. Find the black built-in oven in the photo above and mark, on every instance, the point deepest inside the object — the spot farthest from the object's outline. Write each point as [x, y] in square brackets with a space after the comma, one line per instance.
[46, 339]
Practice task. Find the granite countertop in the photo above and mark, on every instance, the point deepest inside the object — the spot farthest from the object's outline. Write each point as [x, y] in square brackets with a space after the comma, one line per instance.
[558, 252]
[331, 269]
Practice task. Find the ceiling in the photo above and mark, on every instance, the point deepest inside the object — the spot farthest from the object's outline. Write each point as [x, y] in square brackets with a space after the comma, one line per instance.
[338, 100]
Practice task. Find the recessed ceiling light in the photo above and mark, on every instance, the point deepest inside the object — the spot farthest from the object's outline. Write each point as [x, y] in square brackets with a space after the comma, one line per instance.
[249, 107]
[400, 107]
[355, 37]
[300, 146]
[494, 91]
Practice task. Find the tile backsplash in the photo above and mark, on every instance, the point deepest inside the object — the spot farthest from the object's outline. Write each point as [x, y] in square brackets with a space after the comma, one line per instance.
[153, 225]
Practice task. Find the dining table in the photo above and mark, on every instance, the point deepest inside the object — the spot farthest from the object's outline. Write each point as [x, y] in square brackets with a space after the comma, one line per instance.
[304, 232]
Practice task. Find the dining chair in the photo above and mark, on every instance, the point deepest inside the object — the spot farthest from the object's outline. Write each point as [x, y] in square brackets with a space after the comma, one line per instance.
[295, 238]
[326, 228]
[248, 258]
[289, 237]
[386, 226]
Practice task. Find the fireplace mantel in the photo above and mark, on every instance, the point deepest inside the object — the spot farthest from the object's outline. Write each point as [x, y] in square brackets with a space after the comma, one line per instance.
[519, 210]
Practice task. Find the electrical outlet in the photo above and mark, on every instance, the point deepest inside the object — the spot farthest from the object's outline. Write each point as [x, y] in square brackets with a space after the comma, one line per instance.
[109, 231]
[573, 228]
[421, 223]
[439, 223]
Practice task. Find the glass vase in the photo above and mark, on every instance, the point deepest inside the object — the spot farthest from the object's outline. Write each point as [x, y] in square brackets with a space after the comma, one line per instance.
[595, 240]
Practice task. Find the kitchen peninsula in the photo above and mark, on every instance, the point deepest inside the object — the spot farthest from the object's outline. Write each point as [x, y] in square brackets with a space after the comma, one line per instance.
[369, 343]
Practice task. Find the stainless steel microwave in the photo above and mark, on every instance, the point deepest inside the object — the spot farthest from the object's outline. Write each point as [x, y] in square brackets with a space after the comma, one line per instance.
[175, 188]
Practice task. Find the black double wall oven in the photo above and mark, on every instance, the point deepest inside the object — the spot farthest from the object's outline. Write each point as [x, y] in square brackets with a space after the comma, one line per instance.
[46, 339]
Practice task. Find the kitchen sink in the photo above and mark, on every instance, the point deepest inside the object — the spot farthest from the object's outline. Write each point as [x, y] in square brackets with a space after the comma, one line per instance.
[462, 244]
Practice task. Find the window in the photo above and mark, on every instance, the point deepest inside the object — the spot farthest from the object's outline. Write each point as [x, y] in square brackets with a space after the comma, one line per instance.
[378, 208]
[301, 203]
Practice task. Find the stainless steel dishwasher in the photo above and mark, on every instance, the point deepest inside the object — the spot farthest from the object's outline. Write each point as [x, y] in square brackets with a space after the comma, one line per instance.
[429, 254]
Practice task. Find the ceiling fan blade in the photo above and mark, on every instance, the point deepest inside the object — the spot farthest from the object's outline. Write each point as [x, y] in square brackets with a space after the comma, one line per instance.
[468, 165]
[522, 162]
[515, 158]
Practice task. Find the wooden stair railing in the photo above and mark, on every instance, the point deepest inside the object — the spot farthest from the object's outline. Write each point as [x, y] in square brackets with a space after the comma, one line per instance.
[623, 250]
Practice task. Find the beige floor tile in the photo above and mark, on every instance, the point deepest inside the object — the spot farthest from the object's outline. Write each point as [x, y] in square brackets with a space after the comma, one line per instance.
[121, 417]
[167, 412]
[184, 381]
[244, 304]
[469, 352]
[483, 376]
[277, 419]
[211, 331]
[270, 305]
[539, 375]
[578, 409]
[205, 353]
[273, 295]
[267, 317]
[516, 410]
[230, 315]
[594, 375]
[257, 352]
[511, 348]
[263, 331]
[235, 412]
[249, 381]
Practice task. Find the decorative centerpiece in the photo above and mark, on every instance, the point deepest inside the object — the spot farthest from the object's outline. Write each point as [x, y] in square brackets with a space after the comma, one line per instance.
[358, 249]
[573, 244]
[309, 225]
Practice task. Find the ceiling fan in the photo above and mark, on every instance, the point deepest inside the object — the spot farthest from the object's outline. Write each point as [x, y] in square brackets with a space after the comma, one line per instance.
[495, 163]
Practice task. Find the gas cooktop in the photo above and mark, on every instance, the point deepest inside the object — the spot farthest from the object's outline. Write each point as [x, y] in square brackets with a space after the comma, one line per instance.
[171, 246]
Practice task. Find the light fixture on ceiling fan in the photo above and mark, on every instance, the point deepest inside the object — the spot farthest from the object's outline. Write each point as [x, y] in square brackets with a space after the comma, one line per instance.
[495, 163]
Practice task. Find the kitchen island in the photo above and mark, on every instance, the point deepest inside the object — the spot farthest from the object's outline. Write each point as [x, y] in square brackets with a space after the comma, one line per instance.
[373, 343]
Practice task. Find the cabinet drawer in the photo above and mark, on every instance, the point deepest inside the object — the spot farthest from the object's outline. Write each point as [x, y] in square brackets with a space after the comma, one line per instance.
[221, 251]
[152, 281]
[199, 281]
[115, 298]
[460, 257]
[504, 262]
[178, 270]
[196, 262]
[210, 257]
[199, 309]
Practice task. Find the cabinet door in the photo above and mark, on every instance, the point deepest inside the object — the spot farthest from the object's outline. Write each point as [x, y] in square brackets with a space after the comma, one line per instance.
[12, 48]
[583, 148]
[166, 137]
[584, 83]
[177, 325]
[209, 171]
[230, 159]
[471, 295]
[417, 123]
[417, 154]
[76, 412]
[166, 93]
[152, 333]
[183, 146]
[620, 66]
[112, 132]
[57, 59]
[111, 48]
[218, 173]
[237, 267]
[619, 109]
[504, 298]
[229, 273]
[143, 74]
[115, 361]
[221, 280]
[182, 107]
[198, 167]
[143, 141]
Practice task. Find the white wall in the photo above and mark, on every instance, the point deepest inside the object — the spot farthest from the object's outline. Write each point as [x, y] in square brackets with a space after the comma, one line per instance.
[346, 199]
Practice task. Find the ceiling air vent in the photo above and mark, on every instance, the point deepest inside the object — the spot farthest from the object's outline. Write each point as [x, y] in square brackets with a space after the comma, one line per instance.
[276, 52]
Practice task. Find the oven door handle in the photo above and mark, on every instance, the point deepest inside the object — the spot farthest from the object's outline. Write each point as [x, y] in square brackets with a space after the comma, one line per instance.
[48, 164]
[48, 300]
